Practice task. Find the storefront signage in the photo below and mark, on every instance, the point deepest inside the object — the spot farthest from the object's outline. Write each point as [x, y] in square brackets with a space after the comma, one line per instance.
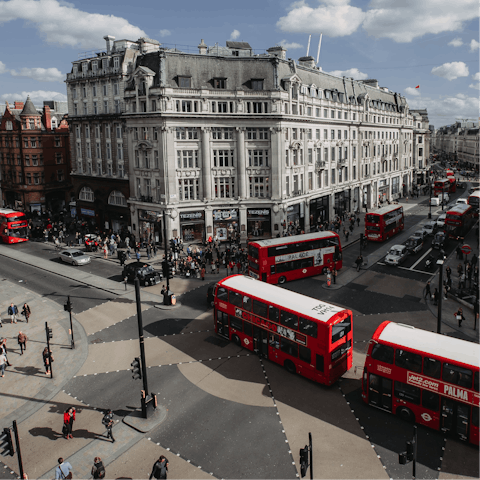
[191, 215]
[264, 212]
[86, 211]
[225, 214]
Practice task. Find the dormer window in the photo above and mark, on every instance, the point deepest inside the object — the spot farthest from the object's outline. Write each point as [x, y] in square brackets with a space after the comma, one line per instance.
[84, 66]
[116, 62]
[185, 82]
[94, 65]
[75, 68]
[105, 63]
[8, 125]
[257, 84]
[220, 83]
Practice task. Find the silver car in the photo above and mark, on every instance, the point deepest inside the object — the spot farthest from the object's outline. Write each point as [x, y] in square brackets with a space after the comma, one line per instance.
[396, 255]
[74, 256]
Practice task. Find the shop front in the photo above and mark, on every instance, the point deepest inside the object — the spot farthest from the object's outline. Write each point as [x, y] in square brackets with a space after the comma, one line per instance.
[150, 226]
[319, 208]
[342, 202]
[259, 223]
[296, 218]
[383, 192]
[225, 224]
[192, 227]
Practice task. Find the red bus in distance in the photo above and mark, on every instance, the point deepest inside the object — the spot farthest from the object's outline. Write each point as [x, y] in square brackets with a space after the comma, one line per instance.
[424, 377]
[305, 335]
[445, 185]
[289, 258]
[474, 202]
[384, 223]
[459, 220]
[13, 226]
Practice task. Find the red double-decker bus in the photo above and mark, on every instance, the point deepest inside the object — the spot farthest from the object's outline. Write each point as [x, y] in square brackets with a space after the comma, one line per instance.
[459, 220]
[444, 185]
[474, 202]
[13, 226]
[289, 258]
[384, 223]
[424, 377]
[305, 335]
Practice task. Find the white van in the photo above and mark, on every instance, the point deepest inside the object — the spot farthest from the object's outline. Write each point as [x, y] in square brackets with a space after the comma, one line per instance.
[435, 202]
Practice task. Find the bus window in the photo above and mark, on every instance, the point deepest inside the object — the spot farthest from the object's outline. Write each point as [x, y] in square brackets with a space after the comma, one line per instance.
[457, 375]
[236, 323]
[305, 354]
[308, 327]
[341, 350]
[288, 319]
[288, 347]
[410, 361]
[274, 341]
[430, 400]
[407, 392]
[339, 330]
[247, 303]
[236, 299]
[253, 251]
[247, 328]
[431, 367]
[260, 309]
[273, 313]
[383, 353]
[222, 294]
[319, 363]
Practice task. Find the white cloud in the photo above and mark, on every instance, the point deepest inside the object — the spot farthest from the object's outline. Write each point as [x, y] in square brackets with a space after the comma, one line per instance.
[41, 74]
[474, 45]
[404, 21]
[476, 76]
[234, 35]
[289, 45]
[451, 71]
[37, 96]
[60, 23]
[164, 32]
[335, 18]
[352, 72]
[444, 110]
[456, 42]
[3, 68]
[415, 92]
[476, 86]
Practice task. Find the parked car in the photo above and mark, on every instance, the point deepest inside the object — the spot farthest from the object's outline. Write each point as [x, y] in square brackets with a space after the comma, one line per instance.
[441, 220]
[439, 240]
[74, 256]
[396, 255]
[145, 272]
[414, 244]
[430, 228]
[461, 201]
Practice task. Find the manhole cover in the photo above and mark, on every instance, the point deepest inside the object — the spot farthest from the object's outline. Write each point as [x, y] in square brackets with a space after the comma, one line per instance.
[97, 340]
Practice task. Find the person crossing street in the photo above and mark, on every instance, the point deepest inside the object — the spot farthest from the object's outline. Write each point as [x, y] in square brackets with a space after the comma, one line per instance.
[108, 421]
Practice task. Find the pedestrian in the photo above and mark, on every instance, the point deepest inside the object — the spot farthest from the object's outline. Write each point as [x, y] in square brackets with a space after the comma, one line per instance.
[68, 419]
[64, 470]
[3, 349]
[358, 221]
[334, 275]
[47, 359]
[3, 363]
[460, 269]
[435, 296]
[459, 252]
[105, 251]
[359, 262]
[13, 312]
[474, 261]
[217, 265]
[149, 250]
[448, 271]
[137, 255]
[202, 273]
[213, 267]
[428, 291]
[22, 341]
[26, 311]
[459, 316]
[98, 470]
[108, 421]
[160, 468]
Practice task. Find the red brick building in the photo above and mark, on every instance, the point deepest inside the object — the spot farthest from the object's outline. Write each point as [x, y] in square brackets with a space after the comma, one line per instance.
[34, 159]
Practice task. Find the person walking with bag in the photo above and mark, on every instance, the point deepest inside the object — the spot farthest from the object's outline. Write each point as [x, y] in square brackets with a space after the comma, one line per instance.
[3, 363]
[47, 358]
[64, 470]
[459, 316]
[13, 312]
[160, 468]
[3, 350]
[26, 311]
[22, 341]
[98, 469]
[68, 419]
[108, 421]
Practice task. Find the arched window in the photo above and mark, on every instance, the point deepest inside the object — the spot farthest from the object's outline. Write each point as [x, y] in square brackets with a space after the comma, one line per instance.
[86, 194]
[117, 198]
[54, 122]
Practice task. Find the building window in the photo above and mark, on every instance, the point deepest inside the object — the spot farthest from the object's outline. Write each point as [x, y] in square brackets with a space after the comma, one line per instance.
[116, 90]
[58, 158]
[60, 176]
[332, 134]
[187, 158]
[310, 180]
[188, 189]
[310, 155]
[257, 84]
[332, 113]
[27, 160]
[223, 158]
[109, 169]
[98, 151]
[105, 106]
[287, 185]
[333, 176]
[117, 106]
[29, 179]
[116, 62]
[420, 152]
[224, 187]
[109, 151]
[258, 158]
[94, 89]
[184, 82]
[220, 83]
[185, 133]
[120, 170]
[148, 187]
[86, 194]
[99, 168]
[259, 187]
[35, 160]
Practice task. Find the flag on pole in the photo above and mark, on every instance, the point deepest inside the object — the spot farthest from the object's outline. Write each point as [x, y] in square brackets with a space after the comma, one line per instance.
[418, 86]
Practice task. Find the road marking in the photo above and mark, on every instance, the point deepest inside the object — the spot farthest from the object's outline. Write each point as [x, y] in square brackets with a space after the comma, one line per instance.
[420, 259]
[413, 270]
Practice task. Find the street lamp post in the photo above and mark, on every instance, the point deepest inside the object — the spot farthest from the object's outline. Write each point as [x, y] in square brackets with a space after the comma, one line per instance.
[440, 292]
[430, 201]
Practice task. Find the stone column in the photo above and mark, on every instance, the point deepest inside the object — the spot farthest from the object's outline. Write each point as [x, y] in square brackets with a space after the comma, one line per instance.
[206, 164]
[277, 162]
[241, 163]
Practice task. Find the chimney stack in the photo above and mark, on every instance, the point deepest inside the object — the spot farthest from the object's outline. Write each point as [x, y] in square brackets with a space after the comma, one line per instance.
[18, 105]
[108, 39]
[278, 51]
[202, 48]
[47, 117]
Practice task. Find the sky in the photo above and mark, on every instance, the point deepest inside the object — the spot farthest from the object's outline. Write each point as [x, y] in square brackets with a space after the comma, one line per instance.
[433, 44]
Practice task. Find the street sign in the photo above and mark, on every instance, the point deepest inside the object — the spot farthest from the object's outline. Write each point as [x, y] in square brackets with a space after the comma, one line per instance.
[466, 249]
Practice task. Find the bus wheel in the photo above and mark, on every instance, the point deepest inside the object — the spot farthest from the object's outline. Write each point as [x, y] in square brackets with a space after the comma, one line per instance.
[282, 280]
[290, 366]
[406, 414]
[236, 340]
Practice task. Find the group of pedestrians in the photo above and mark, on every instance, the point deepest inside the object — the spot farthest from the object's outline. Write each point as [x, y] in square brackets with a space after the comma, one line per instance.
[12, 312]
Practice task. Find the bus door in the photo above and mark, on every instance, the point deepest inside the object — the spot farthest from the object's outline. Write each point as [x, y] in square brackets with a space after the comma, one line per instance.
[260, 341]
[380, 392]
[222, 324]
[455, 417]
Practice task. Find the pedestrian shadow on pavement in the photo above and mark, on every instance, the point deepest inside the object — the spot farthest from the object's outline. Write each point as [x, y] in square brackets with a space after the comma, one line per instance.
[51, 434]
[30, 371]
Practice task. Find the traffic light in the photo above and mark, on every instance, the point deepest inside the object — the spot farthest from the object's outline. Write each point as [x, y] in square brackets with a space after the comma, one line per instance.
[406, 457]
[68, 306]
[173, 245]
[49, 332]
[303, 460]
[136, 369]
[6, 442]
[165, 269]
[170, 270]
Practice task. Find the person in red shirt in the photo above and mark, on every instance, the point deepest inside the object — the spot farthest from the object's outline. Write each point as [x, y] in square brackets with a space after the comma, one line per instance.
[68, 419]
